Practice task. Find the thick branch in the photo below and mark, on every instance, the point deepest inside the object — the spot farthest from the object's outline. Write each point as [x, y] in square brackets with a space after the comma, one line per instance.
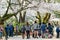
[8, 16]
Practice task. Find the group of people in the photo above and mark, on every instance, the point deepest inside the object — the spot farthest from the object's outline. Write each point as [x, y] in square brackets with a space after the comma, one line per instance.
[37, 30]
[9, 29]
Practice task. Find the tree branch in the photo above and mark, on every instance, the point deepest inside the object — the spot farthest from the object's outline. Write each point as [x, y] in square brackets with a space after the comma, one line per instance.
[29, 1]
[19, 3]
[7, 8]
[14, 4]
[11, 8]
[8, 16]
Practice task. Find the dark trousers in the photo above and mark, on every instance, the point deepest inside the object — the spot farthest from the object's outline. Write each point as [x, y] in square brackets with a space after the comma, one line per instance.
[7, 34]
[57, 34]
[39, 33]
[28, 34]
[16, 32]
[51, 32]
[33, 35]
[11, 33]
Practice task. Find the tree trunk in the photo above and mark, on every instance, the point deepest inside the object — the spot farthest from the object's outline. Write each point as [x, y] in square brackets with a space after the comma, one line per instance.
[38, 17]
[46, 18]
[22, 18]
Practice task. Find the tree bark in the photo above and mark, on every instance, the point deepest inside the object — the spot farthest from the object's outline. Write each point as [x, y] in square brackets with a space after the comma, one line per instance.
[22, 18]
[38, 17]
[46, 18]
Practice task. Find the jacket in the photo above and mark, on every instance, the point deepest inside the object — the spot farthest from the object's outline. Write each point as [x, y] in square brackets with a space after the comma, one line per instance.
[57, 29]
[28, 28]
[43, 27]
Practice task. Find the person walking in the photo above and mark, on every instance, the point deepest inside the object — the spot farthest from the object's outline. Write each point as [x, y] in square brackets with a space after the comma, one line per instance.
[28, 29]
[23, 31]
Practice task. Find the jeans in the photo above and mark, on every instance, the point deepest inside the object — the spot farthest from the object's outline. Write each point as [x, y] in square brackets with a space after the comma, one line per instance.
[7, 33]
[11, 33]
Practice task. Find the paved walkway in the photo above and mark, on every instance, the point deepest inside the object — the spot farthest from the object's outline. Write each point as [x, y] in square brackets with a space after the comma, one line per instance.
[20, 38]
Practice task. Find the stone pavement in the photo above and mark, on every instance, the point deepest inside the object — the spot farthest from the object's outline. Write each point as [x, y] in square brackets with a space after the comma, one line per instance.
[20, 38]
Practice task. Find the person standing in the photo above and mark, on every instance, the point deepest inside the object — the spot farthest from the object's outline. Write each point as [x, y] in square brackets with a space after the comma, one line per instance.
[50, 28]
[7, 30]
[23, 31]
[39, 29]
[43, 28]
[57, 31]
[35, 30]
[11, 30]
[28, 29]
